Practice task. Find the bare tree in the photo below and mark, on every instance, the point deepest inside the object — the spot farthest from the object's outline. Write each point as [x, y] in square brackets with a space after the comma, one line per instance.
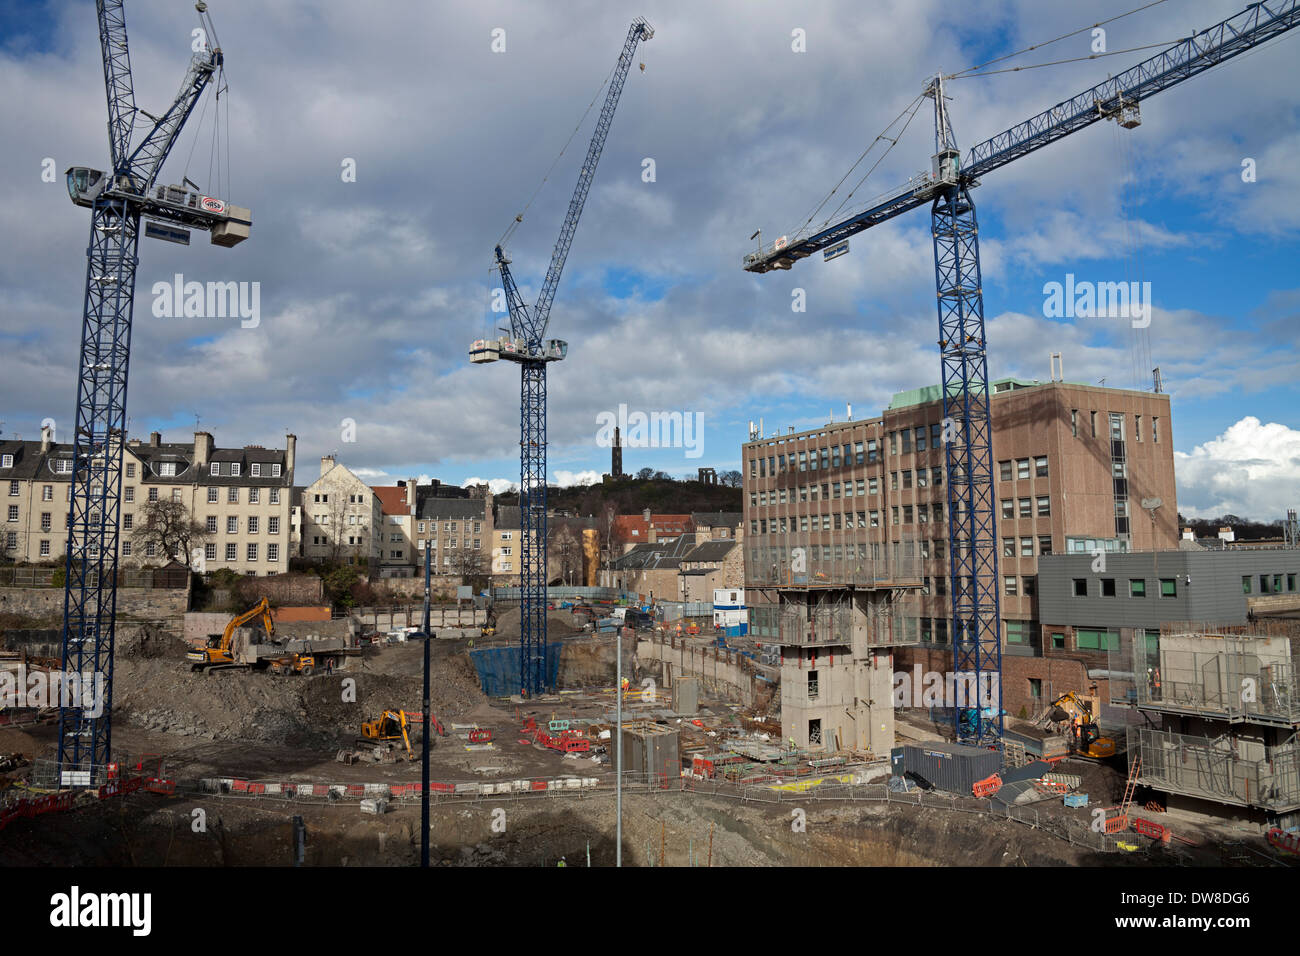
[347, 541]
[731, 479]
[469, 564]
[168, 528]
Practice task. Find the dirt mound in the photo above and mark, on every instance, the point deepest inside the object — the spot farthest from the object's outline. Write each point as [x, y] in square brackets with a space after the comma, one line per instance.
[559, 623]
[146, 641]
[163, 694]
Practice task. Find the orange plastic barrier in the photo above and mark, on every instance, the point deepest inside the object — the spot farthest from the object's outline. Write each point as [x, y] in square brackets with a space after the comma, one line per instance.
[1149, 828]
[1284, 840]
[988, 786]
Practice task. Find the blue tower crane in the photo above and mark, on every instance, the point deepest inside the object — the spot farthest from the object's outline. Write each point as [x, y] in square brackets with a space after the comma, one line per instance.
[118, 199]
[526, 346]
[972, 522]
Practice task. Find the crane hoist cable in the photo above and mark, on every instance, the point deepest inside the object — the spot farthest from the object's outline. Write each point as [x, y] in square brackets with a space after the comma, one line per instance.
[1073, 59]
[910, 111]
[911, 115]
[514, 224]
[1063, 36]
[1134, 265]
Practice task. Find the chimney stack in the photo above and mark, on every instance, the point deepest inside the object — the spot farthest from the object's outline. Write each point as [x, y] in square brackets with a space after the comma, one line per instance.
[47, 436]
[155, 439]
[290, 453]
[202, 449]
[326, 463]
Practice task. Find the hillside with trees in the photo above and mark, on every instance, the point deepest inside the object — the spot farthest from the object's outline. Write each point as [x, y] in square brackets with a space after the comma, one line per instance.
[1243, 528]
[657, 491]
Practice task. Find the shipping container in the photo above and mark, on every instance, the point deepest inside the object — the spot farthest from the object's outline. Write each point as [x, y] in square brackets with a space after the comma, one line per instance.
[951, 767]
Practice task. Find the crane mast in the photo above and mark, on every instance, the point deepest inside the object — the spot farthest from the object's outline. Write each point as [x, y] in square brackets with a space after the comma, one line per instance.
[526, 346]
[972, 522]
[118, 200]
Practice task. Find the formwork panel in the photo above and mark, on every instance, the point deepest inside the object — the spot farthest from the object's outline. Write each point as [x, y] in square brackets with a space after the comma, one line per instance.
[651, 751]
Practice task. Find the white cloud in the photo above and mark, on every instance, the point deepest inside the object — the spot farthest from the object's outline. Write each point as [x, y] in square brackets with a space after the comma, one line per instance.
[371, 290]
[1252, 470]
[566, 479]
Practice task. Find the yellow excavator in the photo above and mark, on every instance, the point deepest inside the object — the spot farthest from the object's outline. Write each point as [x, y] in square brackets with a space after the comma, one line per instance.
[1084, 735]
[388, 727]
[216, 655]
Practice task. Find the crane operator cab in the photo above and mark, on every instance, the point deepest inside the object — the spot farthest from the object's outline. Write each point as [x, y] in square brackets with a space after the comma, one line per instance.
[227, 224]
[85, 185]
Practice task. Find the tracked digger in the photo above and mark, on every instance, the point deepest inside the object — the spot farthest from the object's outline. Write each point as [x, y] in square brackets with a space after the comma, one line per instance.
[217, 654]
[1084, 734]
[388, 728]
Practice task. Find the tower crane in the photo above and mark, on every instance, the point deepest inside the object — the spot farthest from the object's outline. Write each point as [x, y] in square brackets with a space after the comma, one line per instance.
[526, 346]
[972, 530]
[119, 199]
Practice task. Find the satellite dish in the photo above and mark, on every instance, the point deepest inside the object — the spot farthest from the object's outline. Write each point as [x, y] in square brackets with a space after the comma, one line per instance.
[1151, 504]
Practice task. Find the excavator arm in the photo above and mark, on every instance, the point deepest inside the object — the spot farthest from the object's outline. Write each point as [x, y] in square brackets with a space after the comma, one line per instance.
[406, 738]
[263, 608]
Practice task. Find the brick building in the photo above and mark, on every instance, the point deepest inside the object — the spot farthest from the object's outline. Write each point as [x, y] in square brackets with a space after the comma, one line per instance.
[863, 504]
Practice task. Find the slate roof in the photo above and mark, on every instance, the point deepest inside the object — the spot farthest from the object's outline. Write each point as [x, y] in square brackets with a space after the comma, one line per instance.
[710, 552]
[452, 509]
[717, 519]
[664, 555]
[31, 463]
[507, 517]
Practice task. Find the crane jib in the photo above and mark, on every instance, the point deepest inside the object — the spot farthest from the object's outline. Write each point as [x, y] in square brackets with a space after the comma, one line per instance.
[1116, 98]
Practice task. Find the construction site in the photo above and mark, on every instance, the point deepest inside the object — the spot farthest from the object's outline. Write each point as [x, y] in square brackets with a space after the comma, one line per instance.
[708, 779]
[837, 709]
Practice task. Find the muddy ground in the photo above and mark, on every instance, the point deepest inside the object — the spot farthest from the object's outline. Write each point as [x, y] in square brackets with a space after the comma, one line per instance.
[257, 726]
[673, 829]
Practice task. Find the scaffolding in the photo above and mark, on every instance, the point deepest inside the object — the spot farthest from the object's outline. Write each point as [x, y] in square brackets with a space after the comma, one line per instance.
[825, 617]
[819, 617]
[1219, 769]
[1218, 676]
[829, 560]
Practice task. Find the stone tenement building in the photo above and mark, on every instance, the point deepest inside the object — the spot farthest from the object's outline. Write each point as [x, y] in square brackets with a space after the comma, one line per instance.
[242, 496]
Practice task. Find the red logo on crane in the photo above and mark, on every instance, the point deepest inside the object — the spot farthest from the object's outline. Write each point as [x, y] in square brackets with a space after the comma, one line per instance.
[212, 205]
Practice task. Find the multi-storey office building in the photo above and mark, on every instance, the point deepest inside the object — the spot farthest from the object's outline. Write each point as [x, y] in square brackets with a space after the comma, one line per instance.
[863, 505]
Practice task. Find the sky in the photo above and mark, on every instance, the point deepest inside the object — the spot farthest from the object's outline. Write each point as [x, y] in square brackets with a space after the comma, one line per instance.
[370, 287]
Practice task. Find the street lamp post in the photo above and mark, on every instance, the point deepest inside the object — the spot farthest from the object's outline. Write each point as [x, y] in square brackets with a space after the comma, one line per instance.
[424, 755]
